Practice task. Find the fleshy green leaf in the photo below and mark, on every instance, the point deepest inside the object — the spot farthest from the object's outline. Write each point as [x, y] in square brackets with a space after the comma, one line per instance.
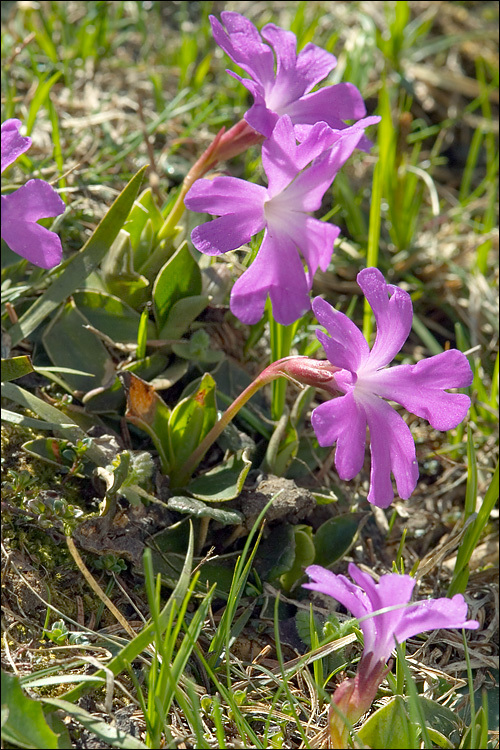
[189, 422]
[304, 556]
[23, 722]
[200, 510]
[276, 554]
[119, 275]
[180, 277]
[15, 367]
[51, 451]
[223, 483]
[64, 424]
[181, 315]
[69, 344]
[388, 727]
[144, 210]
[336, 536]
[111, 315]
[107, 733]
[282, 447]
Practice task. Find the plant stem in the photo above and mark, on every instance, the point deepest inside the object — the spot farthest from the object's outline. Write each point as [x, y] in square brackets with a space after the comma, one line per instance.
[224, 146]
[300, 370]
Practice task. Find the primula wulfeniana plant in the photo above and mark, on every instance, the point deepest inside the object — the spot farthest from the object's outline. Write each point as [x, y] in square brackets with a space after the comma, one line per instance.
[25, 206]
[364, 381]
[399, 620]
[283, 209]
[282, 79]
[359, 381]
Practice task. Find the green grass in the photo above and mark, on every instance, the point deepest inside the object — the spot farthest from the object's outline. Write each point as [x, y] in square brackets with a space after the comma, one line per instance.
[105, 89]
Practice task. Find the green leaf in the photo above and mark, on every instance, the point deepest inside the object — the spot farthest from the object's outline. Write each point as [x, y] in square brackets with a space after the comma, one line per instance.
[142, 334]
[64, 424]
[107, 733]
[282, 447]
[388, 727]
[439, 718]
[200, 510]
[189, 422]
[276, 554]
[181, 315]
[35, 424]
[180, 277]
[223, 483]
[69, 343]
[111, 315]
[144, 210]
[118, 472]
[15, 367]
[119, 274]
[198, 348]
[336, 536]
[304, 556]
[38, 100]
[81, 265]
[23, 722]
[50, 450]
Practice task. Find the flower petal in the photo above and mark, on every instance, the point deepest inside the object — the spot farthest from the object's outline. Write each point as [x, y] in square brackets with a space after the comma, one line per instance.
[227, 232]
[316, 244]
[20, 211]
[342, 420]
[393, 316]
[346, 346]
[287, 85]
[392, 449]
[307, 190]
[283, 159]
[261, 119]
[243, 44]
[331, 104]
[433, 614]
[13, 144]
[277, 271]
[339, 588]
[392, 590]
[279, 156]
[420, 388]
[224, 195]
[313, 65]
[33, 201]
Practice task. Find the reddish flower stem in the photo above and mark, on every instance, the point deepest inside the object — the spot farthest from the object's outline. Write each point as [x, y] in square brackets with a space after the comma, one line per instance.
[224, 146]
[300, 370]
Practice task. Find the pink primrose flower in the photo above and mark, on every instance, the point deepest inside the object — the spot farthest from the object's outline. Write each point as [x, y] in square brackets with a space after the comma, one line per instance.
[281, 80]
[25, 206]
[365, 381]
[385, 615]
[392, 593]
[282, 209]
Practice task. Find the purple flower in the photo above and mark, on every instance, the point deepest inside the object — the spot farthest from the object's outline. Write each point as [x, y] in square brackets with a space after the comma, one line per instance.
[400, 620]
[283, 210]
[393, 590]
[282, 80]
[24, 207]
[365, 381]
